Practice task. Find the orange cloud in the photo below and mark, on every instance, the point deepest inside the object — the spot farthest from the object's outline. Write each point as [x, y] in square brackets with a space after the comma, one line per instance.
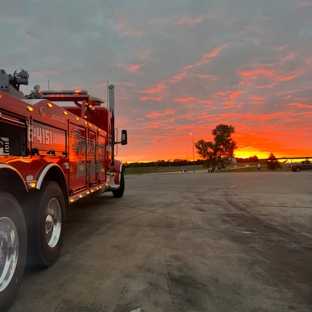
[289, 56]
[206, 57]
[169, 120]
[134, 68]
[257, 98]
[187, 20]
[228, 102]
[157, 114]
[152, 98]
[300, 105]
[178, 77]
[188, 66]
[280, 48]
[235, 94]
[285, 78]
[267, 86]
[269, 137]
[220, 93]
[264, 117]
[159, 87]
[258, 72]
[185, 100]
[207, 76]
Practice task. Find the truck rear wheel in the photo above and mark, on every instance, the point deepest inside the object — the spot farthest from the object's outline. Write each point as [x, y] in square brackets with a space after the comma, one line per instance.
[298, 169]
[120, 191]
[45, 218]
[13, 246]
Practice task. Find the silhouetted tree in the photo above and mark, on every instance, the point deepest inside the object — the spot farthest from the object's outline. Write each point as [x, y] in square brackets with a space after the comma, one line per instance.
[273, 163]
[219, 151]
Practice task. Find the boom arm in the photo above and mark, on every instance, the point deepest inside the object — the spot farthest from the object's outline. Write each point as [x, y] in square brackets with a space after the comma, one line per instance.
[11, 83]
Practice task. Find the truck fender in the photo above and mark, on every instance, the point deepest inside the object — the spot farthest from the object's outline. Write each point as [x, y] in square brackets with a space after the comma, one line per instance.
[55, 173]
[118, 168]
[8, 168]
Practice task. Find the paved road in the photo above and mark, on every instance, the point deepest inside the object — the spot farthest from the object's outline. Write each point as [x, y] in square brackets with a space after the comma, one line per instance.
[184, 242]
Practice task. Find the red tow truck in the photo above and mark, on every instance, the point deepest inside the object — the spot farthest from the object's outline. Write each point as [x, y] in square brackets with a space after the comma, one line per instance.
[51, 155]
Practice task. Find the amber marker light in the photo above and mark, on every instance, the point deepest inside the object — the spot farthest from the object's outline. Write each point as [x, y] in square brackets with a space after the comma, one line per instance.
[32, 185]
[30, 108]
[85, 116]
[49, 105]
[77, 91]
[88, 192]
[86, 123]
[65, 113]
[72, 200]
[77, 118]
[80, 196]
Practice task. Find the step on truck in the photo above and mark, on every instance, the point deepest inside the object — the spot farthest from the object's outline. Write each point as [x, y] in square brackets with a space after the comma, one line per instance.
[56, 147]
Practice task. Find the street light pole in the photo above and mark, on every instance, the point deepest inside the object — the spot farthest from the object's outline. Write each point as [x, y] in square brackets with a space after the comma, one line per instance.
[193, 150]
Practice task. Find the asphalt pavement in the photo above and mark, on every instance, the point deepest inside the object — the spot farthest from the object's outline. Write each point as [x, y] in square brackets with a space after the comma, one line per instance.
[184, 242]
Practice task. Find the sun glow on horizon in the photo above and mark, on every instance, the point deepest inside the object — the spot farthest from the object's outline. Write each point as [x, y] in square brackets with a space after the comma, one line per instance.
[240, 153]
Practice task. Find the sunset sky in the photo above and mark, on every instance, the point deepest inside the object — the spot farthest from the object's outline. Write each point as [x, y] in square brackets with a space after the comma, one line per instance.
[178, 66]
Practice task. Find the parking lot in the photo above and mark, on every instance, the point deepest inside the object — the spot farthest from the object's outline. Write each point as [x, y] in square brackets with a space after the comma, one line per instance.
[184, 242]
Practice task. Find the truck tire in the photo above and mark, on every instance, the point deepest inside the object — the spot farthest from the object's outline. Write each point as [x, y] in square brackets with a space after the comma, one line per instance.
[13, 247]
[45, 218]
[298, 169]
[120, 191]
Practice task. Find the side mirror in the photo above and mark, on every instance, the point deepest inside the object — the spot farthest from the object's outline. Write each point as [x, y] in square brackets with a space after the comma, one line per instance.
[124, 137]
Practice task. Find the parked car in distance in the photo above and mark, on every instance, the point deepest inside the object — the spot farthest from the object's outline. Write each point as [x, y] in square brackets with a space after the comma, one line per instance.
[303, 165]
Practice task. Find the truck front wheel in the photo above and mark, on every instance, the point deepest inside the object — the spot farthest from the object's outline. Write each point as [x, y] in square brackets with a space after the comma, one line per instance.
[120, 191]
[13, 246]
[298, 169]
[45, 218]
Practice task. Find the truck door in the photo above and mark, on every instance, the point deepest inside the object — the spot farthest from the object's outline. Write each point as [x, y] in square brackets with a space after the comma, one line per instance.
[77, 158]
[100, 158]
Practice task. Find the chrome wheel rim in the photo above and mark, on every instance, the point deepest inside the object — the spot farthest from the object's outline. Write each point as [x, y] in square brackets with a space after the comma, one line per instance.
[53, 222]
[9, 246]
